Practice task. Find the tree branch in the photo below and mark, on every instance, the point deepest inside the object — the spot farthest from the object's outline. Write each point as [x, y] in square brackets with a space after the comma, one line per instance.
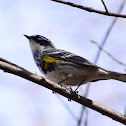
[99, 52]
[105, 6]
[109, 31]
[89, 9]
[101, 48]
[21, 72]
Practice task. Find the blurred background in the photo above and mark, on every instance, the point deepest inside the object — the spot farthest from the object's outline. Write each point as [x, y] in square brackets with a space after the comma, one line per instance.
[23, 103]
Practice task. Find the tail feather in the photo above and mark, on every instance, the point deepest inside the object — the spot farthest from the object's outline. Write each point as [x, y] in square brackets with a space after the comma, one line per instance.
[106, 75]
[117, 76]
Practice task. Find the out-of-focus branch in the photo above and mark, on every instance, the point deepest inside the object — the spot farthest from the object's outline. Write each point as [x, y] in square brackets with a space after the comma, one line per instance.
[68, 108]
[83, 108]
[105, 6]
[89, 9]
[9, 67]
[108, 31]
[98, 55]
[100, 47]
[86, 120]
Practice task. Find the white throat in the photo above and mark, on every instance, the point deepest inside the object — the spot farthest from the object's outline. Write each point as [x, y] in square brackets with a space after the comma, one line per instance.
[35, 46]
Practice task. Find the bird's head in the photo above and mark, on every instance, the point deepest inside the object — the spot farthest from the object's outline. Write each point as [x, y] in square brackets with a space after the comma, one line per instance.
[39, 43]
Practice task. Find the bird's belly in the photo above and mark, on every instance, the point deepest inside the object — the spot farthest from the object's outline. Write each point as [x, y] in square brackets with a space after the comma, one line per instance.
[58, 75]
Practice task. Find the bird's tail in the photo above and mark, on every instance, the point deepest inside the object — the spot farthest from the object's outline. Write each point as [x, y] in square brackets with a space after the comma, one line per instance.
[106, 75]
[117, 76]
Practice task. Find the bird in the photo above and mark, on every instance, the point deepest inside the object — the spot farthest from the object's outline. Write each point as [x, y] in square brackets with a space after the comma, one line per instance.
[64, 67]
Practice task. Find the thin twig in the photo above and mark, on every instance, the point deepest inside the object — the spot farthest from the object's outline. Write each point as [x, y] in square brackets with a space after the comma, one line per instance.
[21, 72]
[86, 120]
[89, 9]
[105, 6]
[101, 48]
[108, 32]
[83, 108]
[67, 107]
[99, 51]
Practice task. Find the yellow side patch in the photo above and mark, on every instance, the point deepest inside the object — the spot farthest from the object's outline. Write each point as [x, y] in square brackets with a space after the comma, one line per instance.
[48, 60]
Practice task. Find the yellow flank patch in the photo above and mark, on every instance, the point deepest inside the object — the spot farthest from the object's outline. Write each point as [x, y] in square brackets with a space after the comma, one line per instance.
[48, 60]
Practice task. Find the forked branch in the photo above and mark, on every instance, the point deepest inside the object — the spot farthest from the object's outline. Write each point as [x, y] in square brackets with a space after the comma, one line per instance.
[89, 9]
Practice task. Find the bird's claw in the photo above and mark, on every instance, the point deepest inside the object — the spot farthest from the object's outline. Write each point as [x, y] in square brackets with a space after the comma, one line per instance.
[71, 90]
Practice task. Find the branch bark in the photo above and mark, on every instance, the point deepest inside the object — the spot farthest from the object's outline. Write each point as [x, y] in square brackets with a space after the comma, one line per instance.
[105, 6]
[9, 67]
[89, 9]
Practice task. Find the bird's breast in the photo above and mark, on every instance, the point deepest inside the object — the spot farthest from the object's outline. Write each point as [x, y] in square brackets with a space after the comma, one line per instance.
[48, 64]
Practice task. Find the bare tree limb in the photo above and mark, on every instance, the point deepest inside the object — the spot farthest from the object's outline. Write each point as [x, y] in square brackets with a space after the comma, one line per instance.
[9, 67]
[89, 9]
[105, 6]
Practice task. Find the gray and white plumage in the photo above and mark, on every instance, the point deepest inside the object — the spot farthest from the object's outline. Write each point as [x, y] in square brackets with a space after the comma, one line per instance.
[78, 69]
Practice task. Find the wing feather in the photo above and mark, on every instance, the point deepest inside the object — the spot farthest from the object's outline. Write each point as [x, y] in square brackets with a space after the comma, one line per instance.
[69, 57]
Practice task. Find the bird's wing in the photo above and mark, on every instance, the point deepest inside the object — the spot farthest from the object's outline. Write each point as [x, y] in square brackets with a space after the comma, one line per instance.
[69, 57]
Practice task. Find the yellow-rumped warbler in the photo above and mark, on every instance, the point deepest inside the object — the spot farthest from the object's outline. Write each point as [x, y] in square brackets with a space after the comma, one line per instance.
[64, 67]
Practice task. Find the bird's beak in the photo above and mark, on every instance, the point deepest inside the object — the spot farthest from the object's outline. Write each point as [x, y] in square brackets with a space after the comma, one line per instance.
[28, 37]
